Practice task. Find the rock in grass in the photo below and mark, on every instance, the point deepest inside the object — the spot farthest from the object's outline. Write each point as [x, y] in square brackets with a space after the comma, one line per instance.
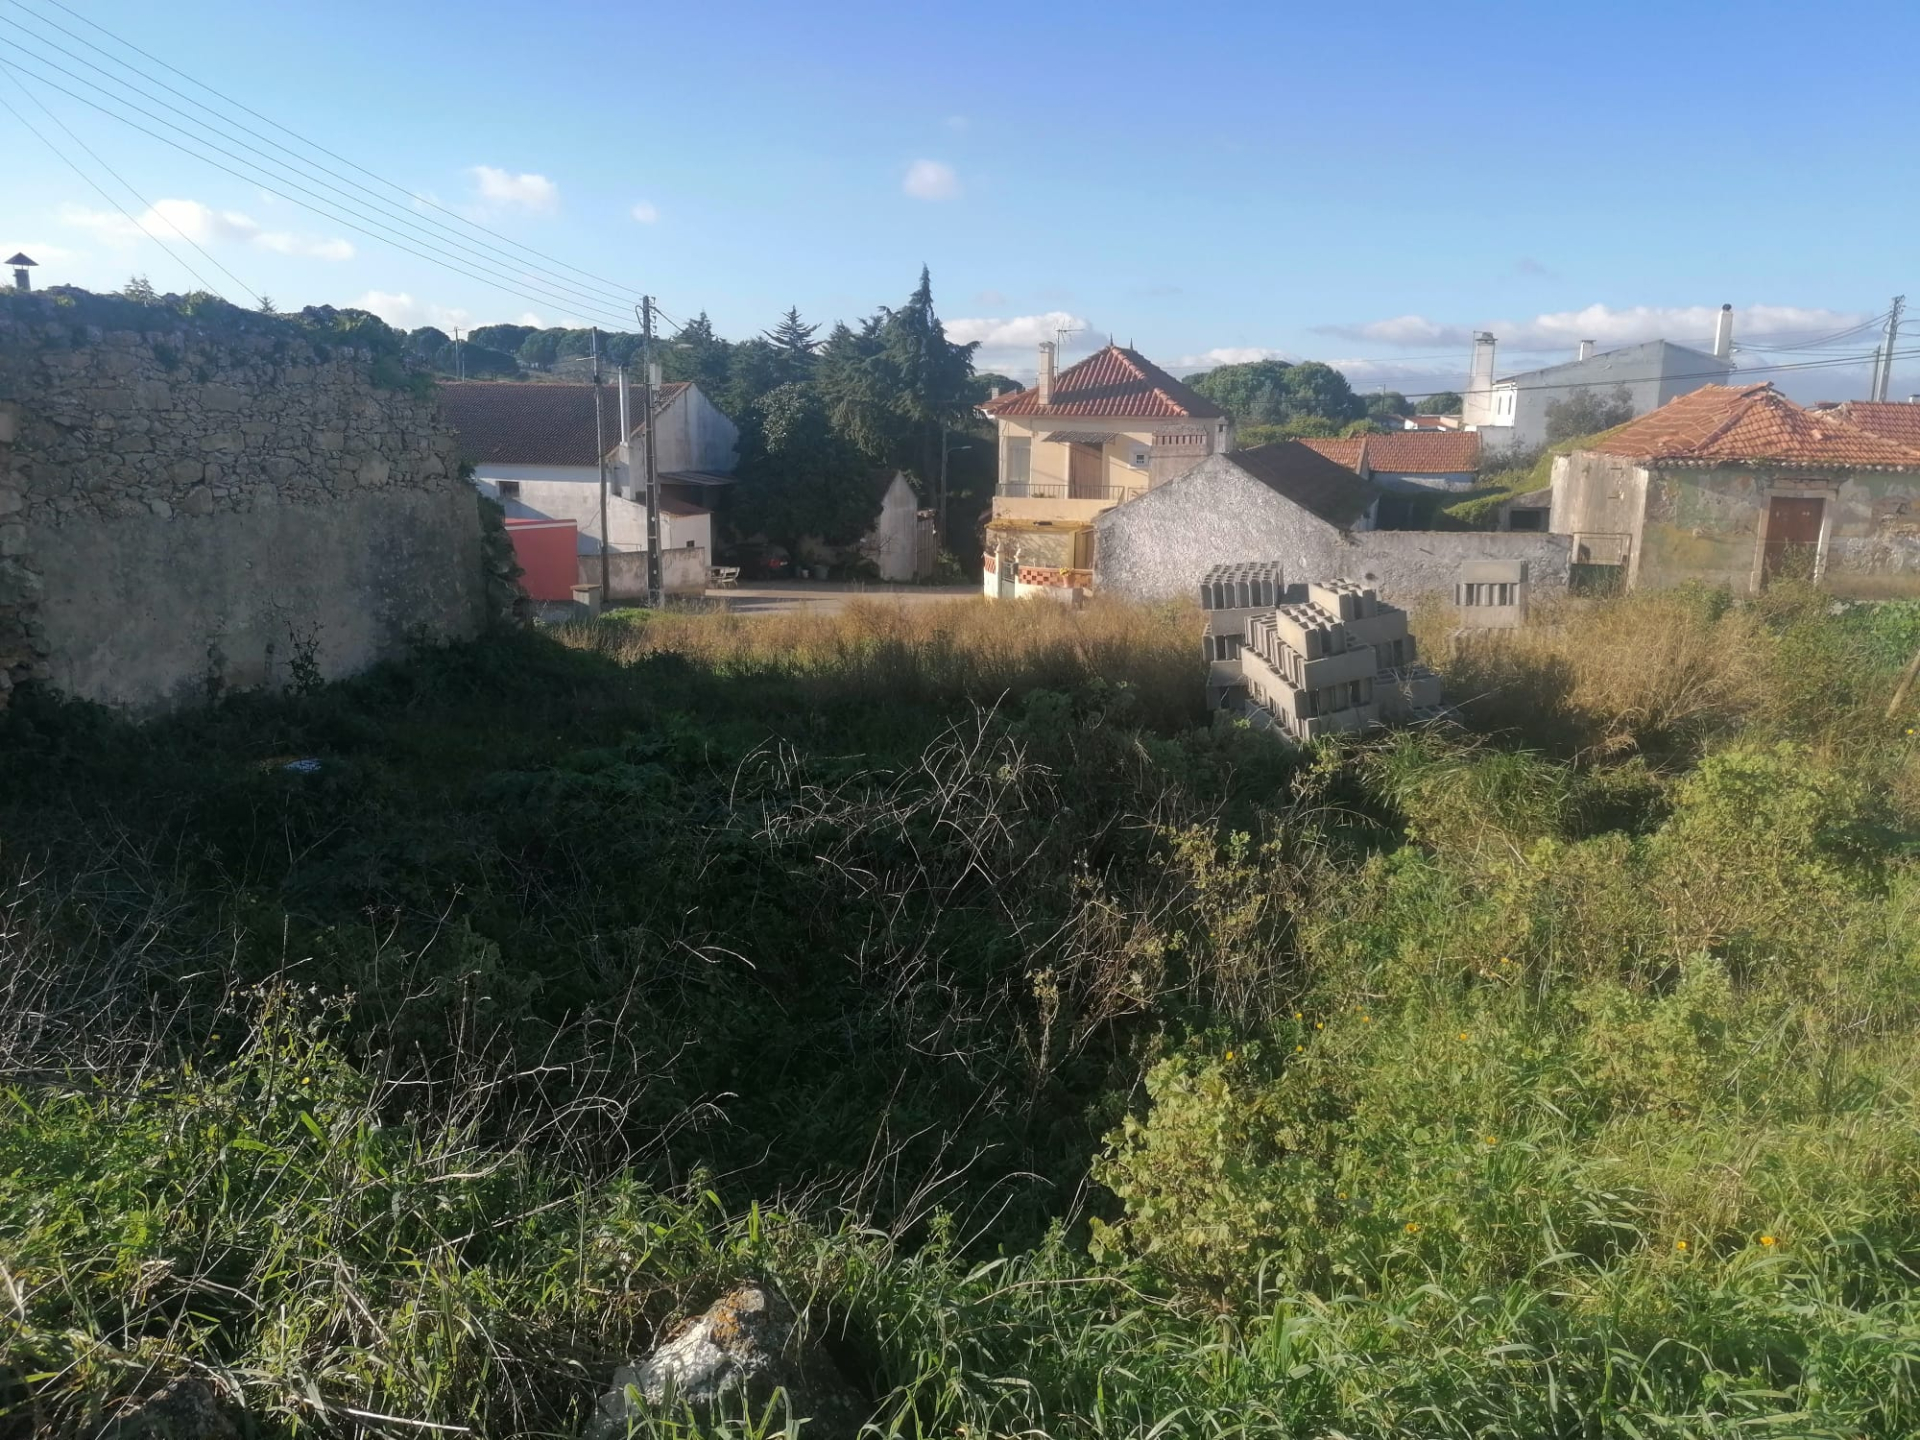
[183, 1409]
[743, 1349]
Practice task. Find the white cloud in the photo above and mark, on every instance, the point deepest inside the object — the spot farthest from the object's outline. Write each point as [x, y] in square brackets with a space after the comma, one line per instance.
[167, 220]
[1606, 326]
[1011, 345]
[1229, 355]
[645, 212]
[515, 192]
[404, 312]
[930, 180]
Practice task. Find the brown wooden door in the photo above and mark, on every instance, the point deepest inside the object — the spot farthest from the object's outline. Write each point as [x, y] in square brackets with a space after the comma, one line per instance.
[1793, 536]
[1086, 473]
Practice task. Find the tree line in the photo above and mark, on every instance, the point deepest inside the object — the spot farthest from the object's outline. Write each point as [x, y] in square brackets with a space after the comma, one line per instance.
[1283, 400]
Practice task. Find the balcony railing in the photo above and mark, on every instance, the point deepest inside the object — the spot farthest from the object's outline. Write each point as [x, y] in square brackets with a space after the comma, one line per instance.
[1062, 490]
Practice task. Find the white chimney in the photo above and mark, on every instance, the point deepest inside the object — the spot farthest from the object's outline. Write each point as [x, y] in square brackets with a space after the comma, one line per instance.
[1586, 350]
[1723, 334]
[1482, 371]
[1045, 383]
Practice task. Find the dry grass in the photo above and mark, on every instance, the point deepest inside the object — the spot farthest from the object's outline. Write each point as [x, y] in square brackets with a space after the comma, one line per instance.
[975, 648]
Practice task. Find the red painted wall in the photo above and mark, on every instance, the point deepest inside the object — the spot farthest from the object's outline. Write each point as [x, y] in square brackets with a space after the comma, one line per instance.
[546, 550]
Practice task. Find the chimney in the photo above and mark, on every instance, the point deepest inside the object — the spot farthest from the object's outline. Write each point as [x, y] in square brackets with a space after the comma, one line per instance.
[1586, 350]
[1723, 334]
[1045, 383]
[21, 264]
[1482, 372]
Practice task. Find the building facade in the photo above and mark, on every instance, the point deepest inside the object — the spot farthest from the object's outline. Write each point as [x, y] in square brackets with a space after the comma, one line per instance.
[1099, 434]
[1736, 485]
[1510, 412]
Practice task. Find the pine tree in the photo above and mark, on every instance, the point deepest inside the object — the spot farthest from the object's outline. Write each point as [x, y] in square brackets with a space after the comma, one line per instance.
[934, 380]
[794, 345]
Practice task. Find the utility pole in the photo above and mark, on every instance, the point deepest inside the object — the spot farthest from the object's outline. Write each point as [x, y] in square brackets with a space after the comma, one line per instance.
[1883, 359]
[600, 450]
[459, 360]
[654, 586]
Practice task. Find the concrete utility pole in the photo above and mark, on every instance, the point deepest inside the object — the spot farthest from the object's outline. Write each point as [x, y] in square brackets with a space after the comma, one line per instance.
[1883, 358]
[459, 360]
[600, 450]
[655, 588]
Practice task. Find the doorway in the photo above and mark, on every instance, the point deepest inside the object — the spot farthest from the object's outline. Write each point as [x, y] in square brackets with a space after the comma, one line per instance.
[1086, 472]
[1792, 546]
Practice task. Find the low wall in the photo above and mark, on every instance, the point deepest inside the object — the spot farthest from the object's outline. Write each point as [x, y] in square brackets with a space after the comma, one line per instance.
[1406, 564]
[682, 572]
[197, 506]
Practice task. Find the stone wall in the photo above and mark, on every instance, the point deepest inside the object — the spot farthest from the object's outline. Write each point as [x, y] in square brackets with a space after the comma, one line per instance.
[1162, 543]
[191, 509]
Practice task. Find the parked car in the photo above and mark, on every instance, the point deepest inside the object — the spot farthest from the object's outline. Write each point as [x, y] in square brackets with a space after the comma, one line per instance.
[759, 561]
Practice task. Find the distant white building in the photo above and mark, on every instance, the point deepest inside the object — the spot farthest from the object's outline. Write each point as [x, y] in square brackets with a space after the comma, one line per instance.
[1510, 412]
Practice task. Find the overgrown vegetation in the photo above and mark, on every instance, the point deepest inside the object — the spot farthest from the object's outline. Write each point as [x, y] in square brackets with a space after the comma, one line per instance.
[1079, 1069]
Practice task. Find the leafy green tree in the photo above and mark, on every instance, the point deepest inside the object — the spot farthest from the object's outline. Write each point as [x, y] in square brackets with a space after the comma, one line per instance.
[793, 345]
[987, 382]
[799, 477]
[755, 369]
[1447, 402]
[858, 388]
[1388, 407]
[507, 338]
[483, 362]
[695, 353]
[430, 345]
[1254, 393]
[1581, 412]
[1320, 390]
[540, 349]
[934, 380]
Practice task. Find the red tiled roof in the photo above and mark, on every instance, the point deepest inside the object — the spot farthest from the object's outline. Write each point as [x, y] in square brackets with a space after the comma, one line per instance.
[1405, 452]
[1115, 383]
[1752, 424]
[1309, 479]
[1890, 421]
[520, 422]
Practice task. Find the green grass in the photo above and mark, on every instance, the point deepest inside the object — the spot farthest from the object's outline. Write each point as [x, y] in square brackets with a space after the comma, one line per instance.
[1076, 1068]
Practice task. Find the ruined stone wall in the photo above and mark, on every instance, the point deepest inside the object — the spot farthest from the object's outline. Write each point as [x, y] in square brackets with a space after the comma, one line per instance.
[189, 510]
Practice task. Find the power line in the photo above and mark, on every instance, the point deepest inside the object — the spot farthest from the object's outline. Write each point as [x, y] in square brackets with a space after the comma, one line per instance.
[391, 213]
[569, 304]
[311, 144]
[205, 284]
[451, 263]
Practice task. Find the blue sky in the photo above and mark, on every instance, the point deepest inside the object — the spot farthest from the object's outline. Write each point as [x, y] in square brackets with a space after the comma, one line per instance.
[1364, 185]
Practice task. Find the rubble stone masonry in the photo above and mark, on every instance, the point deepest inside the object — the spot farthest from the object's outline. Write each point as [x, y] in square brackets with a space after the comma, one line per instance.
[188, 510]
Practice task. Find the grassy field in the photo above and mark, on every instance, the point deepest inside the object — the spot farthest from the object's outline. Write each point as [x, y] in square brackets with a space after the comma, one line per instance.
[1079, 1067]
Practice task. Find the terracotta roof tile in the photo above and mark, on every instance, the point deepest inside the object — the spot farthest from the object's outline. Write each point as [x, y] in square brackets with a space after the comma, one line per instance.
[1752, 424]
[519, 422]
[1405, 452]
[1114, 383]
[1889, 420]
[1309, 479]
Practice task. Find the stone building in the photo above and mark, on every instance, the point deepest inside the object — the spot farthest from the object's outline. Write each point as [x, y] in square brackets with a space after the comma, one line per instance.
[1312, 659]
[1732, 485]
[1310, 513]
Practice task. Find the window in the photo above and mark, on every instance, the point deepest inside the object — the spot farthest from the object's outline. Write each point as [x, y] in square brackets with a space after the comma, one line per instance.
[1137, 454]
[509, 489]
[1019, 460]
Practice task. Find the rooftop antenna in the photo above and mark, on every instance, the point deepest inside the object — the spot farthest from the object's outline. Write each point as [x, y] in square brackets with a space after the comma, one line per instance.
[1060, 335]
[21, 264]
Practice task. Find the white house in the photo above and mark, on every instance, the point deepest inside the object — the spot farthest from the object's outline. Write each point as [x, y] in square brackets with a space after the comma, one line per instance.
[1511, 412]
[533, 447]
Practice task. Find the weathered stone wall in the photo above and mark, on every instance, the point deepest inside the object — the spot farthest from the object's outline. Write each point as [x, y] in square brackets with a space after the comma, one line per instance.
[189, 510]
[1160, 544]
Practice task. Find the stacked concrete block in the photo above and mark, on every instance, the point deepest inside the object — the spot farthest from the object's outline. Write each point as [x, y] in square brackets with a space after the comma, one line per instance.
[1312, 660]
[1491, 595]
[1231, 595]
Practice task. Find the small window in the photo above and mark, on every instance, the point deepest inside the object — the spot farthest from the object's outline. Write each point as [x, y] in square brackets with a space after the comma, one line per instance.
[1019, 460]
[509, 489]
[1137, 455]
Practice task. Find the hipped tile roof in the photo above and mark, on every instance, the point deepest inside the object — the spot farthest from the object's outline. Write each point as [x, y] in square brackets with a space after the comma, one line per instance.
[1116, 383]
[1405, 452]
[1899, 422]
[1754, 425]
[1309, 479]
[520, 422]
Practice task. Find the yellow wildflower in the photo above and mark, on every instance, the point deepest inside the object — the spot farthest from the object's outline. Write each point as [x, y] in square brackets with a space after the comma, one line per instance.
[1491, 1139]
[1768, 1239]
[1229, 1054]
[1680, 1245]
[1413, 1227]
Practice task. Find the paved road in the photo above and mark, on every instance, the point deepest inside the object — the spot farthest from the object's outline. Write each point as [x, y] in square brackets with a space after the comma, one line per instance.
[777, 597]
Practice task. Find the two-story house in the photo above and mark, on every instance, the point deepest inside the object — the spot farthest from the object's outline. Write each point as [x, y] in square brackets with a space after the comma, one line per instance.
[1078, 443]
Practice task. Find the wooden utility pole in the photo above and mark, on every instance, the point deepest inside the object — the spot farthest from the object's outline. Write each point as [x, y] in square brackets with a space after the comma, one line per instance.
[655, 587]
[600, 451]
